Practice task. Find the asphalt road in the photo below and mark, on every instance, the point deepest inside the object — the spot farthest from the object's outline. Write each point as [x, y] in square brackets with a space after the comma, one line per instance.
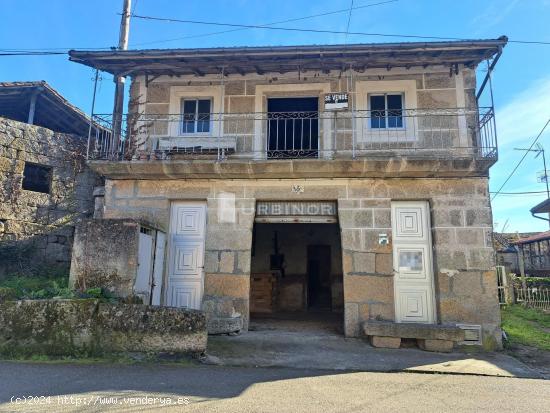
[145, 387]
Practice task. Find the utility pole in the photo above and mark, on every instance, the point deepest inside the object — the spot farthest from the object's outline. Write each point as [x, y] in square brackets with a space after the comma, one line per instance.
[120, 80]
[540, 151]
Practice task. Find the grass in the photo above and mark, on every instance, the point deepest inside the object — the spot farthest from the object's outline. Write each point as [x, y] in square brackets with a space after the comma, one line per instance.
[26, 287]
[181, 361]
[526, 326]
[35, 287]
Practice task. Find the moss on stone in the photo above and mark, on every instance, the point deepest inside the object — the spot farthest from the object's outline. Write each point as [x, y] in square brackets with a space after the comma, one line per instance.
[90, 328]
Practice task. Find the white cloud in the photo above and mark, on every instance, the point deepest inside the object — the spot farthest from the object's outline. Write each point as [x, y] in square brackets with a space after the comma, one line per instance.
[493, 14]
[523, 117]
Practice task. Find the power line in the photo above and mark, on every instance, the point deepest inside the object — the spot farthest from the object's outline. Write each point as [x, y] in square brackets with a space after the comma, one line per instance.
[296, 29]
[520, 193]
[521, 160]
[31, 53]
[269, 24]
[349, 21]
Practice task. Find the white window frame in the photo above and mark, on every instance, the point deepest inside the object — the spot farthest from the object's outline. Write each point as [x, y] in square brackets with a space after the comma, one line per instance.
[363, 90]
[211, 121]
[403, 110]
[179, 93]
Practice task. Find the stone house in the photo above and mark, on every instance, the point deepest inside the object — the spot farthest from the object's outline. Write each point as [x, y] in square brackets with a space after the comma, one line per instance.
[350, 181]
[45, 185]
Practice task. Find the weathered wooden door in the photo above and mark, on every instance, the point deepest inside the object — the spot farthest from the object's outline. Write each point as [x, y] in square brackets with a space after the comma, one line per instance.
[412, 262]
[158, 268]
[186, 261]
[142, 285]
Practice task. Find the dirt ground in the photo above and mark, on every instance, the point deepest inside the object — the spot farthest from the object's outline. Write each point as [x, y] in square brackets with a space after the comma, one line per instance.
[535, 358]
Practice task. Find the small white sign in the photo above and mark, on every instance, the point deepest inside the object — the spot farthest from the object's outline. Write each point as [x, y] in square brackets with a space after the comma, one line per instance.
[335, 101]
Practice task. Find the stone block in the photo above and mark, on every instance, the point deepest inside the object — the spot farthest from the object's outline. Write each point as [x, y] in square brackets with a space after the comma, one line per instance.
[351, 239]
[349, 203]
[384, 264]
[376, 203]
[351, 319]
[436, 99]
[385, 342]
[439, 81]
[444, 236]
[123, 189]
[211, 261]
[92, 328]
[482, 259]
[243, 262]
[352, 218]
[478, 217]
[224, 325]
[376, 311]
[234, 239]
[413, 330]
[440, 346]
[158, 93]
[363, 262]
[227, 285]
[157, 109]
[241, 104]
[471, 237]
[367, 288]
[382, 218]
[234, 87]
[371, 244]
[447, 217]
[447, 259]
[227, 262]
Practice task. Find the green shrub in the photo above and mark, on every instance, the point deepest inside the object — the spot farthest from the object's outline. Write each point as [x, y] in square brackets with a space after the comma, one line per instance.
[35, 287]
[7, 293]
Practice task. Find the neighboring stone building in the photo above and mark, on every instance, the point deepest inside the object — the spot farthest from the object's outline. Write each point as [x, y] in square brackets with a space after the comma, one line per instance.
[45, 185]
[346, 179]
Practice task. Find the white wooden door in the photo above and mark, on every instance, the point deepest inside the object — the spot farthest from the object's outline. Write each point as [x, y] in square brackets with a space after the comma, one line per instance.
[412, 262]
[142, 285]
[158, 268]
[186, 258]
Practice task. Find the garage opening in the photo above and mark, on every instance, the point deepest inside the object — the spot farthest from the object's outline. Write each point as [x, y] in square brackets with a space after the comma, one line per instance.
[296, 276]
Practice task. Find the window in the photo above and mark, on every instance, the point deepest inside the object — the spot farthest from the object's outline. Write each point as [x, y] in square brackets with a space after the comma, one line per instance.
[37, 178]
[386, 110]
[195, 116]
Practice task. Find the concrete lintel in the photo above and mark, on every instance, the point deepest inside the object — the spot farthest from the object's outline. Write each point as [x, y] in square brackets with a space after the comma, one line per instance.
[402, 167]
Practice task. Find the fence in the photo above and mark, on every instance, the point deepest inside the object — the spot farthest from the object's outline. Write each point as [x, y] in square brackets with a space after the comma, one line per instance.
[533, 297]
[453, 133]
[509, 292]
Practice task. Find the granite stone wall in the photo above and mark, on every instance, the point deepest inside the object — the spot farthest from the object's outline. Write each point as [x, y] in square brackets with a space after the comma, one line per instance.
[90, 328]
[465, 284]
[36, 229]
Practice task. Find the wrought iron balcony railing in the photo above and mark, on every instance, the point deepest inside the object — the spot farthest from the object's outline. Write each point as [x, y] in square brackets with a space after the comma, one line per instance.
[441, 133]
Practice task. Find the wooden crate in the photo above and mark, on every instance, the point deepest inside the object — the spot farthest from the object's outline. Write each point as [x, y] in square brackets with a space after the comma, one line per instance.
[262, 292]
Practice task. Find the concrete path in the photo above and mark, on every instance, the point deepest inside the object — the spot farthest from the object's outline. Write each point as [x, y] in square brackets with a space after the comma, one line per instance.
[147, 387]
[283, 345]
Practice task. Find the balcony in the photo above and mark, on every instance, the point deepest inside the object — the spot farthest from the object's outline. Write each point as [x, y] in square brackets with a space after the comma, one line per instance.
[330, 141]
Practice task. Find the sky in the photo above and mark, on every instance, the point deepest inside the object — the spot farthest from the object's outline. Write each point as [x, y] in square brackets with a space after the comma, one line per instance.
[521, 81]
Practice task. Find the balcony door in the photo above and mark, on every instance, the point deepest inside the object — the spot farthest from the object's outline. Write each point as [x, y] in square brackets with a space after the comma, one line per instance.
[293, 127]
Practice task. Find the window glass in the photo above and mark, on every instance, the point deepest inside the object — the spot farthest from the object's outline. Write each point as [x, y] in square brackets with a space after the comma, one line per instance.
[196, 115]
[378, 112]
[203, 122]
[410, 260]
[386, 111]
[395, 113]
[37, 178]
[189, 116]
